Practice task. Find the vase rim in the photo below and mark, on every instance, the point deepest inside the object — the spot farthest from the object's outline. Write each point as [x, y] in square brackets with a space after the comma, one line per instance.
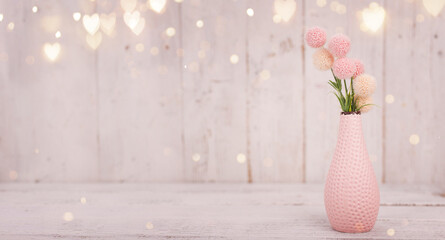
[350, 113]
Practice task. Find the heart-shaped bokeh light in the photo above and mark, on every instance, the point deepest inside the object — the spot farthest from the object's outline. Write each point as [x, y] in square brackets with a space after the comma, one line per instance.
[128, 5]
[132, 19]
[139, 28]
[108, 23]
[51, 51]
[91, 23]
[94, 40]
[285, 9]
[157, 6]
[373, 17]
[434, 7]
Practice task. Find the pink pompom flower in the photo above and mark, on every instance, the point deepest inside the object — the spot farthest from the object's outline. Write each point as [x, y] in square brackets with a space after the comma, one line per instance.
[343, 68]
[339, 45]
[359, 68]
[316, 37]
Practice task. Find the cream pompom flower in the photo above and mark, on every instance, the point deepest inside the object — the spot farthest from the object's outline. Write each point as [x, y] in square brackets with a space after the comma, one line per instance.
[316, 37]
[364, 85]
[339, 45]
[359, 68]
[364, 101]
[323, 59]
[343, 68]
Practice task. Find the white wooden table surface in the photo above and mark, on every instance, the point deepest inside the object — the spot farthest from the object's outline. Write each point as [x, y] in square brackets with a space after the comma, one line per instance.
[205, 211]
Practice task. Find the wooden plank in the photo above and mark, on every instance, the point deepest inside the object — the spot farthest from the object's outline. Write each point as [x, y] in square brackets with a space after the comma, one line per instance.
[368, 47]
[417, 88]
[140, 99]
[214, 91]
[195, 211]
[434, 140]
[275, 93]
[322, 109]
[152, 121]
[48, 122]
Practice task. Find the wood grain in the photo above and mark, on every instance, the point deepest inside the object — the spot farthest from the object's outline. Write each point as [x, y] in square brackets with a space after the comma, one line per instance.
[368, 47]
[214, 102]
[140, 100]
[435, 134]
[205, 211]
[49, 110]
[275, 94]
[118, 114]
[414, 49]
[322, 109]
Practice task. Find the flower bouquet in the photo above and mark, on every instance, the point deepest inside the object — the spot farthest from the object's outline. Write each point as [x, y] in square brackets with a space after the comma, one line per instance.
[357, 98]
[351, 192]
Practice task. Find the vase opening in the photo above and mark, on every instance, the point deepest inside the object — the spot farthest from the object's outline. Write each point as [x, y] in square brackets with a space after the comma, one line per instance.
[351, 113]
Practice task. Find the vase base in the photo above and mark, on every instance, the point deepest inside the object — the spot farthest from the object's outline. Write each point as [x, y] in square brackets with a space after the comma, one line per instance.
[352, 230]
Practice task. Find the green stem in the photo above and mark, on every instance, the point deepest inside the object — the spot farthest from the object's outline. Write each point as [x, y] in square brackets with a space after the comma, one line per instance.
[353, 107]
[352, 88]
[345, 102]
[348, 100]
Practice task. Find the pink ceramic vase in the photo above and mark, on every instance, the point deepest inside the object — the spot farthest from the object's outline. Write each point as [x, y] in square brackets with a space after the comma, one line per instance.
[351, 193]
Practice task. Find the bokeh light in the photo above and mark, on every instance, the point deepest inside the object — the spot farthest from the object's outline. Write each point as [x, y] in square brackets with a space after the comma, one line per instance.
[139, 47]
[241, 158]
[390, 232]
[201, 54]
[196, 157]
[68, 216]
[149, 225]
[414, 139]
[77, 16]
[285, 9]
[321, 3]
[128, 5]
[264, 74]
[389, 99]
[434, 7]
[199, 23]
[52, 51]
[154, 51]
[157, 6]
[372, 17]
[10, 26]
[250, 12]
[234, 59]
[170, 32]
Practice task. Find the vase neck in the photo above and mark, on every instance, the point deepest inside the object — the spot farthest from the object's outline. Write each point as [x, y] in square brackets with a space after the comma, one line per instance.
[351, 124]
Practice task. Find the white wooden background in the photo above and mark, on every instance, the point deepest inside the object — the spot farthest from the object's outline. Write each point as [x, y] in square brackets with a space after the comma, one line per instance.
[189, 114]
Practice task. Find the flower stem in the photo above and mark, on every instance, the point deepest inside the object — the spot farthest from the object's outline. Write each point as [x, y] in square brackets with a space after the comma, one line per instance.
[354, 106]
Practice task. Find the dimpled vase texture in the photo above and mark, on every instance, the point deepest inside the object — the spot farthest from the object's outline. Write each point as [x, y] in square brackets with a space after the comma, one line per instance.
[351, 193]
